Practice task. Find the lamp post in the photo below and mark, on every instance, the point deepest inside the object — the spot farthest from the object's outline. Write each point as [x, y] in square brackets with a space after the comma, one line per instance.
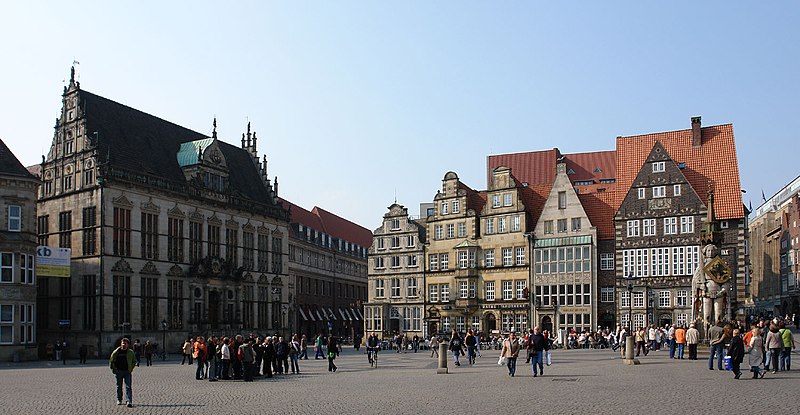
[630, 302]
[164, 340]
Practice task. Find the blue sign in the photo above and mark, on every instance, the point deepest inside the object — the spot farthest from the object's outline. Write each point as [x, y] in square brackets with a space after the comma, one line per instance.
[64, 324]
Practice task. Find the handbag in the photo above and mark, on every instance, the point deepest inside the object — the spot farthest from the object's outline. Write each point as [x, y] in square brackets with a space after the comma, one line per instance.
[502, 361]
[547, 358]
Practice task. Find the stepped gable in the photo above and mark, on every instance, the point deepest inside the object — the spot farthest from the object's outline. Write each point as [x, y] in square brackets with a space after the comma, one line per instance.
[10, 165]
[713, 161]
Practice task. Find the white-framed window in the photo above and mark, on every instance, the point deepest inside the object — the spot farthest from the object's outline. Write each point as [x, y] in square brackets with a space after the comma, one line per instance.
[648, 227]
[562, 225]
[412, 261]
[451, 231]
[548, 226]
[660, 262]
[488, 258]
[411, 287]
[659, 191]
[678, 260]
[515, 223]
[502, 224]
[723, 224]
[6, 267]
[433, 293]
[463, 289]
[379, 289]
[460, 324]
[489, 226]
[495, 201]
[508, 290]
[681, 319]
[638, 299]
[664, 298]
[456, 206]
[433, 262]
[633, 228]
[658, 167]
[27, 273]
[26, 333]
[508, 260]
[462, 229]
[687, 224]
[446, 327]
[624, 298]
[395, 287]
[671, 226]
[396, 261]
[462, 259]
[520, 289]
[444, 289]
[676, 190]
[520, 255]
[638, 321]
[623, 320]
[444, 261]
[489, 290]
[444, 206]
[641, 192]
[522, 323]
[395, 224]
[6, 323]
[576, 224]
[507, 199]
[438, 232]
[476, 323]
[14, 218]
[642, 260]
[606, 262]
[473, 289]
[681, 298]
[411, 241]
[606, 294]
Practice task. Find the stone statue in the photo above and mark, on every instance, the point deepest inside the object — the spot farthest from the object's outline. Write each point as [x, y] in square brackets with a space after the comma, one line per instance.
[711, 288]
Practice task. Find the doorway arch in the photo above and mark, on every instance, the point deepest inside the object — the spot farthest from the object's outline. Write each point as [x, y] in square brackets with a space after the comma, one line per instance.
[491, 323]
[547, 324]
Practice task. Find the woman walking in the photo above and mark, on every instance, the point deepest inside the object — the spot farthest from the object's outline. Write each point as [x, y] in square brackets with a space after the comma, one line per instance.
[333, 344]
[774, 343]
[755, 353]
[510, 352]
[736, 352]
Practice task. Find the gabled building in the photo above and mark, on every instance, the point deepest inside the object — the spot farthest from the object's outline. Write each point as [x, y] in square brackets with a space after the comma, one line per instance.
[18, 191]
[658, 229]
[172, 232]
[328, 270]
[397, 275]
[565, 260]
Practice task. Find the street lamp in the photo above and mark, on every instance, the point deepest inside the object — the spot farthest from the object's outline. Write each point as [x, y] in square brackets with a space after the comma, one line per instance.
[629, 278]
[164, 340]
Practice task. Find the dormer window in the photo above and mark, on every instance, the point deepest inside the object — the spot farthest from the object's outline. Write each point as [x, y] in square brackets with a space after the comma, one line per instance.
[658, 167]
[214, 182]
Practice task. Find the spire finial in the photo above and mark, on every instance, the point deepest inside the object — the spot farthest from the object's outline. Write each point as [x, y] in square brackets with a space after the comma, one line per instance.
[72, 74]
[242, 140]
[214, 133]
[248, 134]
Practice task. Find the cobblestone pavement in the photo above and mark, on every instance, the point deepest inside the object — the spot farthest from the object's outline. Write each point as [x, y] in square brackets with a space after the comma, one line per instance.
[577, 382]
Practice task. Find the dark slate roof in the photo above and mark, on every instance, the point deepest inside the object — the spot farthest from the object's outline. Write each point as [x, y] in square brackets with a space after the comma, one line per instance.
[10, 165]
[143, 143]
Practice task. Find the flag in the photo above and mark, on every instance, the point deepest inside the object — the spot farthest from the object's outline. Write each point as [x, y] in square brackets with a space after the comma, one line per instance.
[762, 195]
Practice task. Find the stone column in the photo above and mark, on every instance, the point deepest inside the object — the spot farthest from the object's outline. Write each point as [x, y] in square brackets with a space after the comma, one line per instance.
[442, 370]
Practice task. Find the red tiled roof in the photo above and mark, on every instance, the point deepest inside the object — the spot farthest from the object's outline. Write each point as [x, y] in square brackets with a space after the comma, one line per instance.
[342, 228]
[600, 209]
[533, 197]
[302, 216]
[714, 161]
[533, 167]
[475, 199]
[595, 166]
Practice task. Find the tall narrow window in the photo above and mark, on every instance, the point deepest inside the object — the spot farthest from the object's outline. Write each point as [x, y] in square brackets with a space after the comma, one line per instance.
[175, 240]
[248, 250]
[232, 246]
[14, 218]
[89, 231]
[214, 241]
[89, 302]
[121, 301]
[263, 249]
[43, 229]
[65, 229]
[149, 303]
[175, 304]
[195, 242]
[562, 200]
[277, 255]
[149, 236]
[122, 232]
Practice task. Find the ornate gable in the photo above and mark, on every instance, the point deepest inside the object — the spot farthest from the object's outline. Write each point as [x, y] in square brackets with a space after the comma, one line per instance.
[176, 212]
[214, 220]
[122, 202]
[175, 271]
[196, 216]
[150, 207]
[149, 269]
[122, 266]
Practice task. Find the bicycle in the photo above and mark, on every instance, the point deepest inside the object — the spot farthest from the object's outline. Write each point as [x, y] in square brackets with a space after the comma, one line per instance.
[372, 356]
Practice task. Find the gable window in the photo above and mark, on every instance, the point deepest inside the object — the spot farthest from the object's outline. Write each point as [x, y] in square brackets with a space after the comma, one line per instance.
[502, 225]
[659, 191]
[395, 242]
[14, 218]
[451, 231]
[444, 208]
[462, 229]
[562, 200]
[676, 190]
[379, 262]
[410, 241]
[687, 224]
[495, 201]
[507, 199]
[658, 167]
[515, 223]
[562, 225]
[548, 226]
[395, 224]
[641, 192]
[649, 227]
[633, 228]
[438, 232]
[379, 289]
[670, 226]
[489, 226]
[456, 207]
[576, 224]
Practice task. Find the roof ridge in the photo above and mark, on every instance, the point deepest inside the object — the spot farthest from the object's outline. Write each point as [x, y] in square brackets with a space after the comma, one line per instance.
[673, 131]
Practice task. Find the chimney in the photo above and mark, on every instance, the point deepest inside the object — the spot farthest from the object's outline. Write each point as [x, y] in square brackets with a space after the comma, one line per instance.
[697, 135]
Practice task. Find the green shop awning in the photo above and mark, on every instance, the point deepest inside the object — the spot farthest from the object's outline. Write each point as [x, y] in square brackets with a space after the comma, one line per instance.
[565, 241]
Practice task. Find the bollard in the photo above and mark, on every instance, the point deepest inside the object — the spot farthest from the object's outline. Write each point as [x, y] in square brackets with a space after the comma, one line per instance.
[630, 345]
[442, 370]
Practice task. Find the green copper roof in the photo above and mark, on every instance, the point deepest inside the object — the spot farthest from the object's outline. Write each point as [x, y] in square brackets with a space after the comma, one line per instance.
[187, 154]
[567, 240]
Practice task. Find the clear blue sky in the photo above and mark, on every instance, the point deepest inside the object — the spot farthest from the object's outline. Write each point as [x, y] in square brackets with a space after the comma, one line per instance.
[356, 102]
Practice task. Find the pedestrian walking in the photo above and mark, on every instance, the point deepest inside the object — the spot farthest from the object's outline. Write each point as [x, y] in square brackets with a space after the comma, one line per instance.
[538, 345]
[434, 344]
[692, 339]
[736, 352]
[186, 350]
[755, 353]
[456, 346]
[774, 343]
[510, 352]
[716, 337]
[122, 362]
[333, 344]
[148, 353]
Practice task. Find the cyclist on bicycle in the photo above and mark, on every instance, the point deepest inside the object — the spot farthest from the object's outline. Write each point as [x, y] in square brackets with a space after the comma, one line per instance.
[373, 346]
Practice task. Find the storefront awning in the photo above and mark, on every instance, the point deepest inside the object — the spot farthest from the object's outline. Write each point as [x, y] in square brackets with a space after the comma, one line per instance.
[357, 314]
[311, 316]
[332, 314]
[302, 314]
[344, 315]
[319, 314]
